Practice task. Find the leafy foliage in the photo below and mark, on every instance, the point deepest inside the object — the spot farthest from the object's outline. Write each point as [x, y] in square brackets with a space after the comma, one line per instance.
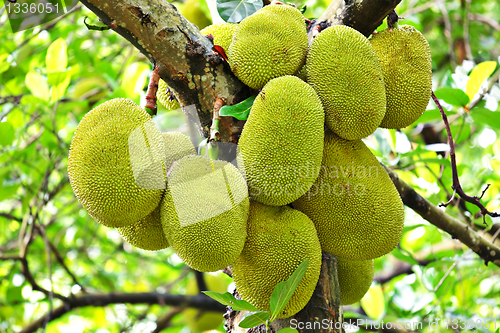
[50, 76]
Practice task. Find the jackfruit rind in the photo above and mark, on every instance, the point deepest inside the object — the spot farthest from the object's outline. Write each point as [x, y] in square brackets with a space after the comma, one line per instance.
[354, 205]
[177, 145]
[204, 212]
[100, 169]
[345, 72]
[147, 233]
[222, 32]
[269, 43]
[279, 239]
[405, 57]
[281, 145]
[163, 96]
[355, 278]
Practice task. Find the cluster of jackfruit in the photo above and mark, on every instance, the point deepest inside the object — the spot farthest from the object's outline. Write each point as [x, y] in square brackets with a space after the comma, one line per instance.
[350, 84]
[305, 180]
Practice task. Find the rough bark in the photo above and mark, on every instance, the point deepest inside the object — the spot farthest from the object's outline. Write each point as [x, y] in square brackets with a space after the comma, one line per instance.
[324, 309]
[362, 15]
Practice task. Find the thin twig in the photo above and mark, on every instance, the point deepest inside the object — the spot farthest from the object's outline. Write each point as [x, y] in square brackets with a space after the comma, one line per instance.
[488, 251]
[457, 188]
[41, 228]
[164, 321]
[51, 24]
[11, 217]
[3, 257]
[445, 276]
[468, 51]
[447, 32]
[61, 261]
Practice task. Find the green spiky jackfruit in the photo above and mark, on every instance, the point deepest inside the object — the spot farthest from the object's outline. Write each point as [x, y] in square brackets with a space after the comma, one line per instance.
[147, 233]
[163, 96]
[281, 144]
[268, 44]
[279, 239]
[222, 32]
[115, 163]
[344, 70]
[204, 212]
[177, 145]
[355, 278]
[405, 57]
[199, 320]
[354, 204]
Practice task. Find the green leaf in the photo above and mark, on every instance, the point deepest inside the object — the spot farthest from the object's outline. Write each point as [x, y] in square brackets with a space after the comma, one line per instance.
[284, 290]
[59, 88]
[480, 73]
[38, 86]
[452, 96]
[14, 294]
[239, 111]
[254, 319]
[288, 330]
[404, 256]
[229, 300]
[234, 11]
[8, 134]
[373, 302]
[487, 117]
[57, 57]
[4, 64]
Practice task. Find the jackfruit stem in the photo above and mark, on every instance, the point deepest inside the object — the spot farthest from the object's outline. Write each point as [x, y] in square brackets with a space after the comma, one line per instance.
[151, 106]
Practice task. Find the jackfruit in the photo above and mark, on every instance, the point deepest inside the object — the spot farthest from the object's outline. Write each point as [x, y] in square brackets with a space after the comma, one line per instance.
[267, 44]
[354, 205]
[147, 233]
[163, 96]
[279, 239]
[355, 278]
[281, 144]
[199, 320]
[204, 212]
[222, 32]
[177, 145]
[405, 57]
[193, 11]
[115, 163]
[344, 70]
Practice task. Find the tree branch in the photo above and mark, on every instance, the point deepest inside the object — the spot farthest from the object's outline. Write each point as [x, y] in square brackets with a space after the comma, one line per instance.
[202, 302]
[362, 15]
[183, 55]
[486, 250]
